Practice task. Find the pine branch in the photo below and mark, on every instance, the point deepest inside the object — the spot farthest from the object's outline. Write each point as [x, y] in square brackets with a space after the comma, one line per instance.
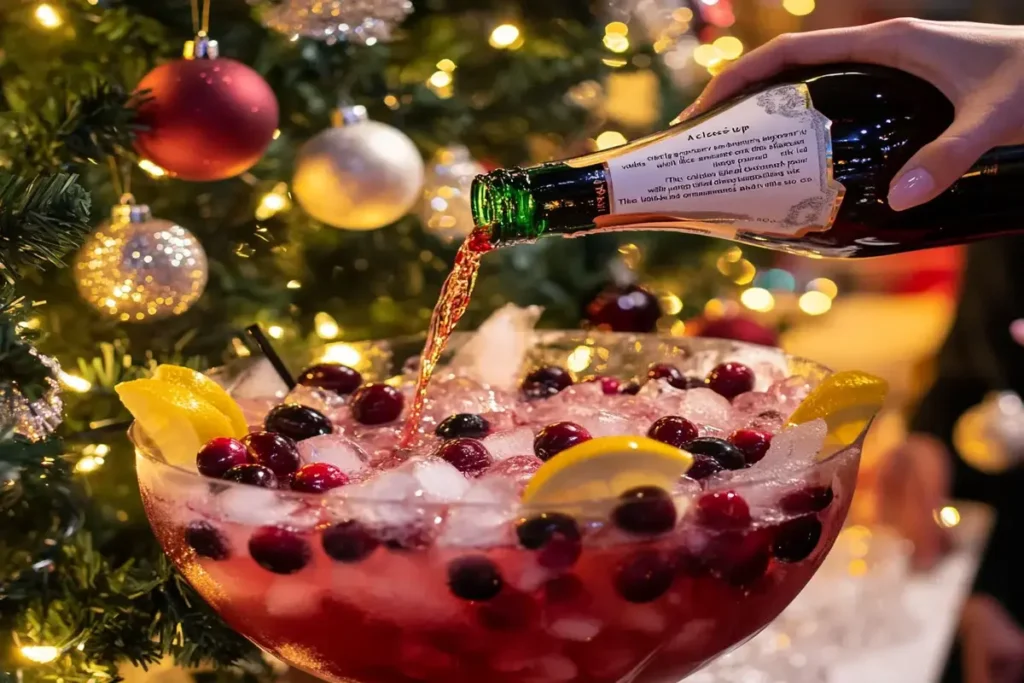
[41, 221]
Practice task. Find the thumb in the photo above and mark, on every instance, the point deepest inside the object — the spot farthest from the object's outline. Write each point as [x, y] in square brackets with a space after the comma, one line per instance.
[941, 163]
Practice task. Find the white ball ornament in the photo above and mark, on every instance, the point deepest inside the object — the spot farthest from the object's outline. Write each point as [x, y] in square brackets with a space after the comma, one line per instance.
[360, 175]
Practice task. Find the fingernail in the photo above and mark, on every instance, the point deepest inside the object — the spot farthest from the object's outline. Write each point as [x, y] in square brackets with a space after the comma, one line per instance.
[910, 189]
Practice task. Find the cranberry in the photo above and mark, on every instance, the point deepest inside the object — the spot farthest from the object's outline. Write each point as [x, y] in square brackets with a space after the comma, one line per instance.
[796, 539]
[731, 379]
[220, 455]
[376, 404]
[693, 383]
[555, 536]
[467, 425]
[667, 372]
[297, 422]
[645, 510]
[318, 477]
[206, 540]
[723, 510]
[545, 382]
[673, 430]
[631, 389]
[727, 455]
[407, 538]
[557, 437]
[753, 443]
[348, 542]
[510, 611]
[703, 467]
[469, 456]
[341, 379]
[609, 385]
[739, 557]
[564, 589]
[279, 550]
[275, 451]
[644, 577]
[253, 475]
[807, 500]
[474, 577]
[629, 308]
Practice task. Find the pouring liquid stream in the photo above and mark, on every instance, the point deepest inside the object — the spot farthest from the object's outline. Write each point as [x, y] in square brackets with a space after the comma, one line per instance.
[451, 305]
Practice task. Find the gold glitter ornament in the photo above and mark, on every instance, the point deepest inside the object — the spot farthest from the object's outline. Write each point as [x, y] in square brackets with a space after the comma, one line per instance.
[36, 419]
[138, 268]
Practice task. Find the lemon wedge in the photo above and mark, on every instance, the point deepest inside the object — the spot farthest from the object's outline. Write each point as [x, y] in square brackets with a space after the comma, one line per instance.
[847, 402]
[207, 390]
[177, 421]
[603, 468]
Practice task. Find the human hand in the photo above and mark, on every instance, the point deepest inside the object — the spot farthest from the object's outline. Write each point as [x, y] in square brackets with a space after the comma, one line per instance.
[993, 643]
[914, 481]
[979, 67]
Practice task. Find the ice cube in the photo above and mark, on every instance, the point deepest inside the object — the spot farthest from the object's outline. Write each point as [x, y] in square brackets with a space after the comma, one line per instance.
[340, 451]
[459, 394]
[437, 480]
[260, 380]
[388, 500]
[504, 445]
[790, 391]
[483, 518]
[795, 448]
[255, 506]
[605, 423]
[553, 669]
[518, 469]
[290, 597]
[495, 353]
[705, 407]
[254, 410]
[769, 364]
[579, 628]
[315, 398]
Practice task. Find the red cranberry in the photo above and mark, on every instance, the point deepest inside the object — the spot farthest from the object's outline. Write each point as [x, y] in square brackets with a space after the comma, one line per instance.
[564, 589]
[557, 437]
[807, 500]
[555, 536]
[297, 422]
[673, 430]
[739, 557]
[318, 477]
[253, 475]
[341, 379]
[510, 611]
[644, 577]
[796, 539]
[645, 510]
[376, 404]
[279, 550]
[275, 451]
[465, 425]
[629, 308]
[469, 456]
[703, 467]
[474, 577]
[753, 443]
[545, 382]
[609, 385]
[727, 455]
[723, 510]
[348, 542]
[731, 379]
[667, 372]
[220, 455]
[204, 538]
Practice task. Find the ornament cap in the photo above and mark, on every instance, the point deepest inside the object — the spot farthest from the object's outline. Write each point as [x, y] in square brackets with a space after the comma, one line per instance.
[349, 115]
[127, 211]
[203, 47]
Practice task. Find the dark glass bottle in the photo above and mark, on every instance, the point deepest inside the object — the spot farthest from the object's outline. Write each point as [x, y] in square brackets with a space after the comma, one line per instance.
[802, 163]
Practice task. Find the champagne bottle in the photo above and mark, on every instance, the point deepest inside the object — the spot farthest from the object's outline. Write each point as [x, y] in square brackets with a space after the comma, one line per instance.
[802, 164]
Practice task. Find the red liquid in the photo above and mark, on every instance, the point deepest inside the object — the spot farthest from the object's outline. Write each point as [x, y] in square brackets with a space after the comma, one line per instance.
[451, 305]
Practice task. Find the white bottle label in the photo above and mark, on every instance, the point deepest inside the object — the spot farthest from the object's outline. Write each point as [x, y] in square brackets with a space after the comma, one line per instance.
[763, 165]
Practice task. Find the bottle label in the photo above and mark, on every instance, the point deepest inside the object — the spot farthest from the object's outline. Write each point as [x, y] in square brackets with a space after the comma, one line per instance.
[762, 165]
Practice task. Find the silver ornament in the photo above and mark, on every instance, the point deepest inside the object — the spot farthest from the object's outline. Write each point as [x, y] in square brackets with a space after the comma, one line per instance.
[361, 175]
[446, 209]
[36, 419]
[359, 21]
[137, 268]
[990, 436]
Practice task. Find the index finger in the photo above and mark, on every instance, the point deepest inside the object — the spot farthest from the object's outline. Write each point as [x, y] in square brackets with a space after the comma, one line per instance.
[792, 49]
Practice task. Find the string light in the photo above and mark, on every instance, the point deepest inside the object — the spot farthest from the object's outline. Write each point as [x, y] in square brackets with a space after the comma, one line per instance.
[825, 286]
[746, 271]
[678, 328]
[707, 55]
[326, 326]
[671, 304]
[814, 303]
[579, 359]
[948, 517]
[74, 382]
[799, 8]
[40, 654]
[616, 42]
[343, 353]
[684, 15]
[506, 37]
[715, 308]
[758, 299]
[152, 169]
[275, 331]
[609, 139]
[294, 284]
[616, 28]
[47, 16]
[730, 47]
[440, 79]
[274, 202]
[276, 135]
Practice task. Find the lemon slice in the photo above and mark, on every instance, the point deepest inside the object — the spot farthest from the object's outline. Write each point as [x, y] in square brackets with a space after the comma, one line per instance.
[603, 468]
[847, 402]
[177, 421]
[207, 390]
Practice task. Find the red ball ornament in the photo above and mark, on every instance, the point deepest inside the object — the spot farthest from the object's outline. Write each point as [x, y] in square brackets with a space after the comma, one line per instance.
[629, 308]
[739, 328]
[205, 119]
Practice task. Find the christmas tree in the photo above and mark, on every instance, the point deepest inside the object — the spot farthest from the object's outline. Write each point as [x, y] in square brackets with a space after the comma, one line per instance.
[226, 234]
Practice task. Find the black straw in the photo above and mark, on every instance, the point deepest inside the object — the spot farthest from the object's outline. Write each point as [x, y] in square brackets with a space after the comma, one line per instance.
[256, 332]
